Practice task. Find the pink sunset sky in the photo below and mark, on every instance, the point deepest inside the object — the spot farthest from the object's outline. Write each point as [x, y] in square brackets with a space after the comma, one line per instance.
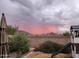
[41, 16]
[39, 30]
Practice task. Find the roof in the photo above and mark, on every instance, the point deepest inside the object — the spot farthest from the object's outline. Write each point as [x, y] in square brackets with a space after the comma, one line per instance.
[75, 27]
[3, 23]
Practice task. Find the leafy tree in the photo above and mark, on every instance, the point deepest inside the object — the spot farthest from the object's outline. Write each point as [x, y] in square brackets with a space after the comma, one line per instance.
[19, 43]
[11, 30]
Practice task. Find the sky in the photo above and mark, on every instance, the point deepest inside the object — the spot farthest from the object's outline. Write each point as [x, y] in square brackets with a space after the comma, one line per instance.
[41, 16]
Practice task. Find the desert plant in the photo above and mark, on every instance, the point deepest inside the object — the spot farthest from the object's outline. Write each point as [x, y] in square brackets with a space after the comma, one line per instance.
[49, 47]
[19, 43]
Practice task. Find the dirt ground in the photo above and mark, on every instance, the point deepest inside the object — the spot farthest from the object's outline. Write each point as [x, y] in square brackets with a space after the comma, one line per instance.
[45, 55]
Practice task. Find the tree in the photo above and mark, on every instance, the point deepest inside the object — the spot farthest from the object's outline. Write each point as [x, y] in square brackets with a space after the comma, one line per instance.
[11, 30]
[66, 34]
[19, 43]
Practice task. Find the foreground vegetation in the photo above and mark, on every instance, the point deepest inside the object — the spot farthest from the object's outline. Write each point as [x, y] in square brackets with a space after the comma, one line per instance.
[51, 47]
[18, 41]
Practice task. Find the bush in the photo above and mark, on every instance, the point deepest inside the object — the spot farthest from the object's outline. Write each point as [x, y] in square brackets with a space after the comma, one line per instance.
[19, 43]
[49, 47]
[52, 47]
[66, 34]
[11, 30]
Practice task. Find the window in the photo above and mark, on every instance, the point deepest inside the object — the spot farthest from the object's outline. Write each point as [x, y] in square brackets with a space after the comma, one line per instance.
[76, 34]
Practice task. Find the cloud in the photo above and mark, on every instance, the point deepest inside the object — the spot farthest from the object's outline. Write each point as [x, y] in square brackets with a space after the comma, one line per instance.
[35, 14]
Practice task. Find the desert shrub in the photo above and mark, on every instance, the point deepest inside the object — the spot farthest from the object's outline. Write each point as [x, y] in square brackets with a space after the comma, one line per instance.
[52, 47]
[19, 43]
[49, 47]
[11, 30]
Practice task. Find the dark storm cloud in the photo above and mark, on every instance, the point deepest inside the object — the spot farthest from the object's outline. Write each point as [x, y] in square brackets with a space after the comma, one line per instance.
[36, 13]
